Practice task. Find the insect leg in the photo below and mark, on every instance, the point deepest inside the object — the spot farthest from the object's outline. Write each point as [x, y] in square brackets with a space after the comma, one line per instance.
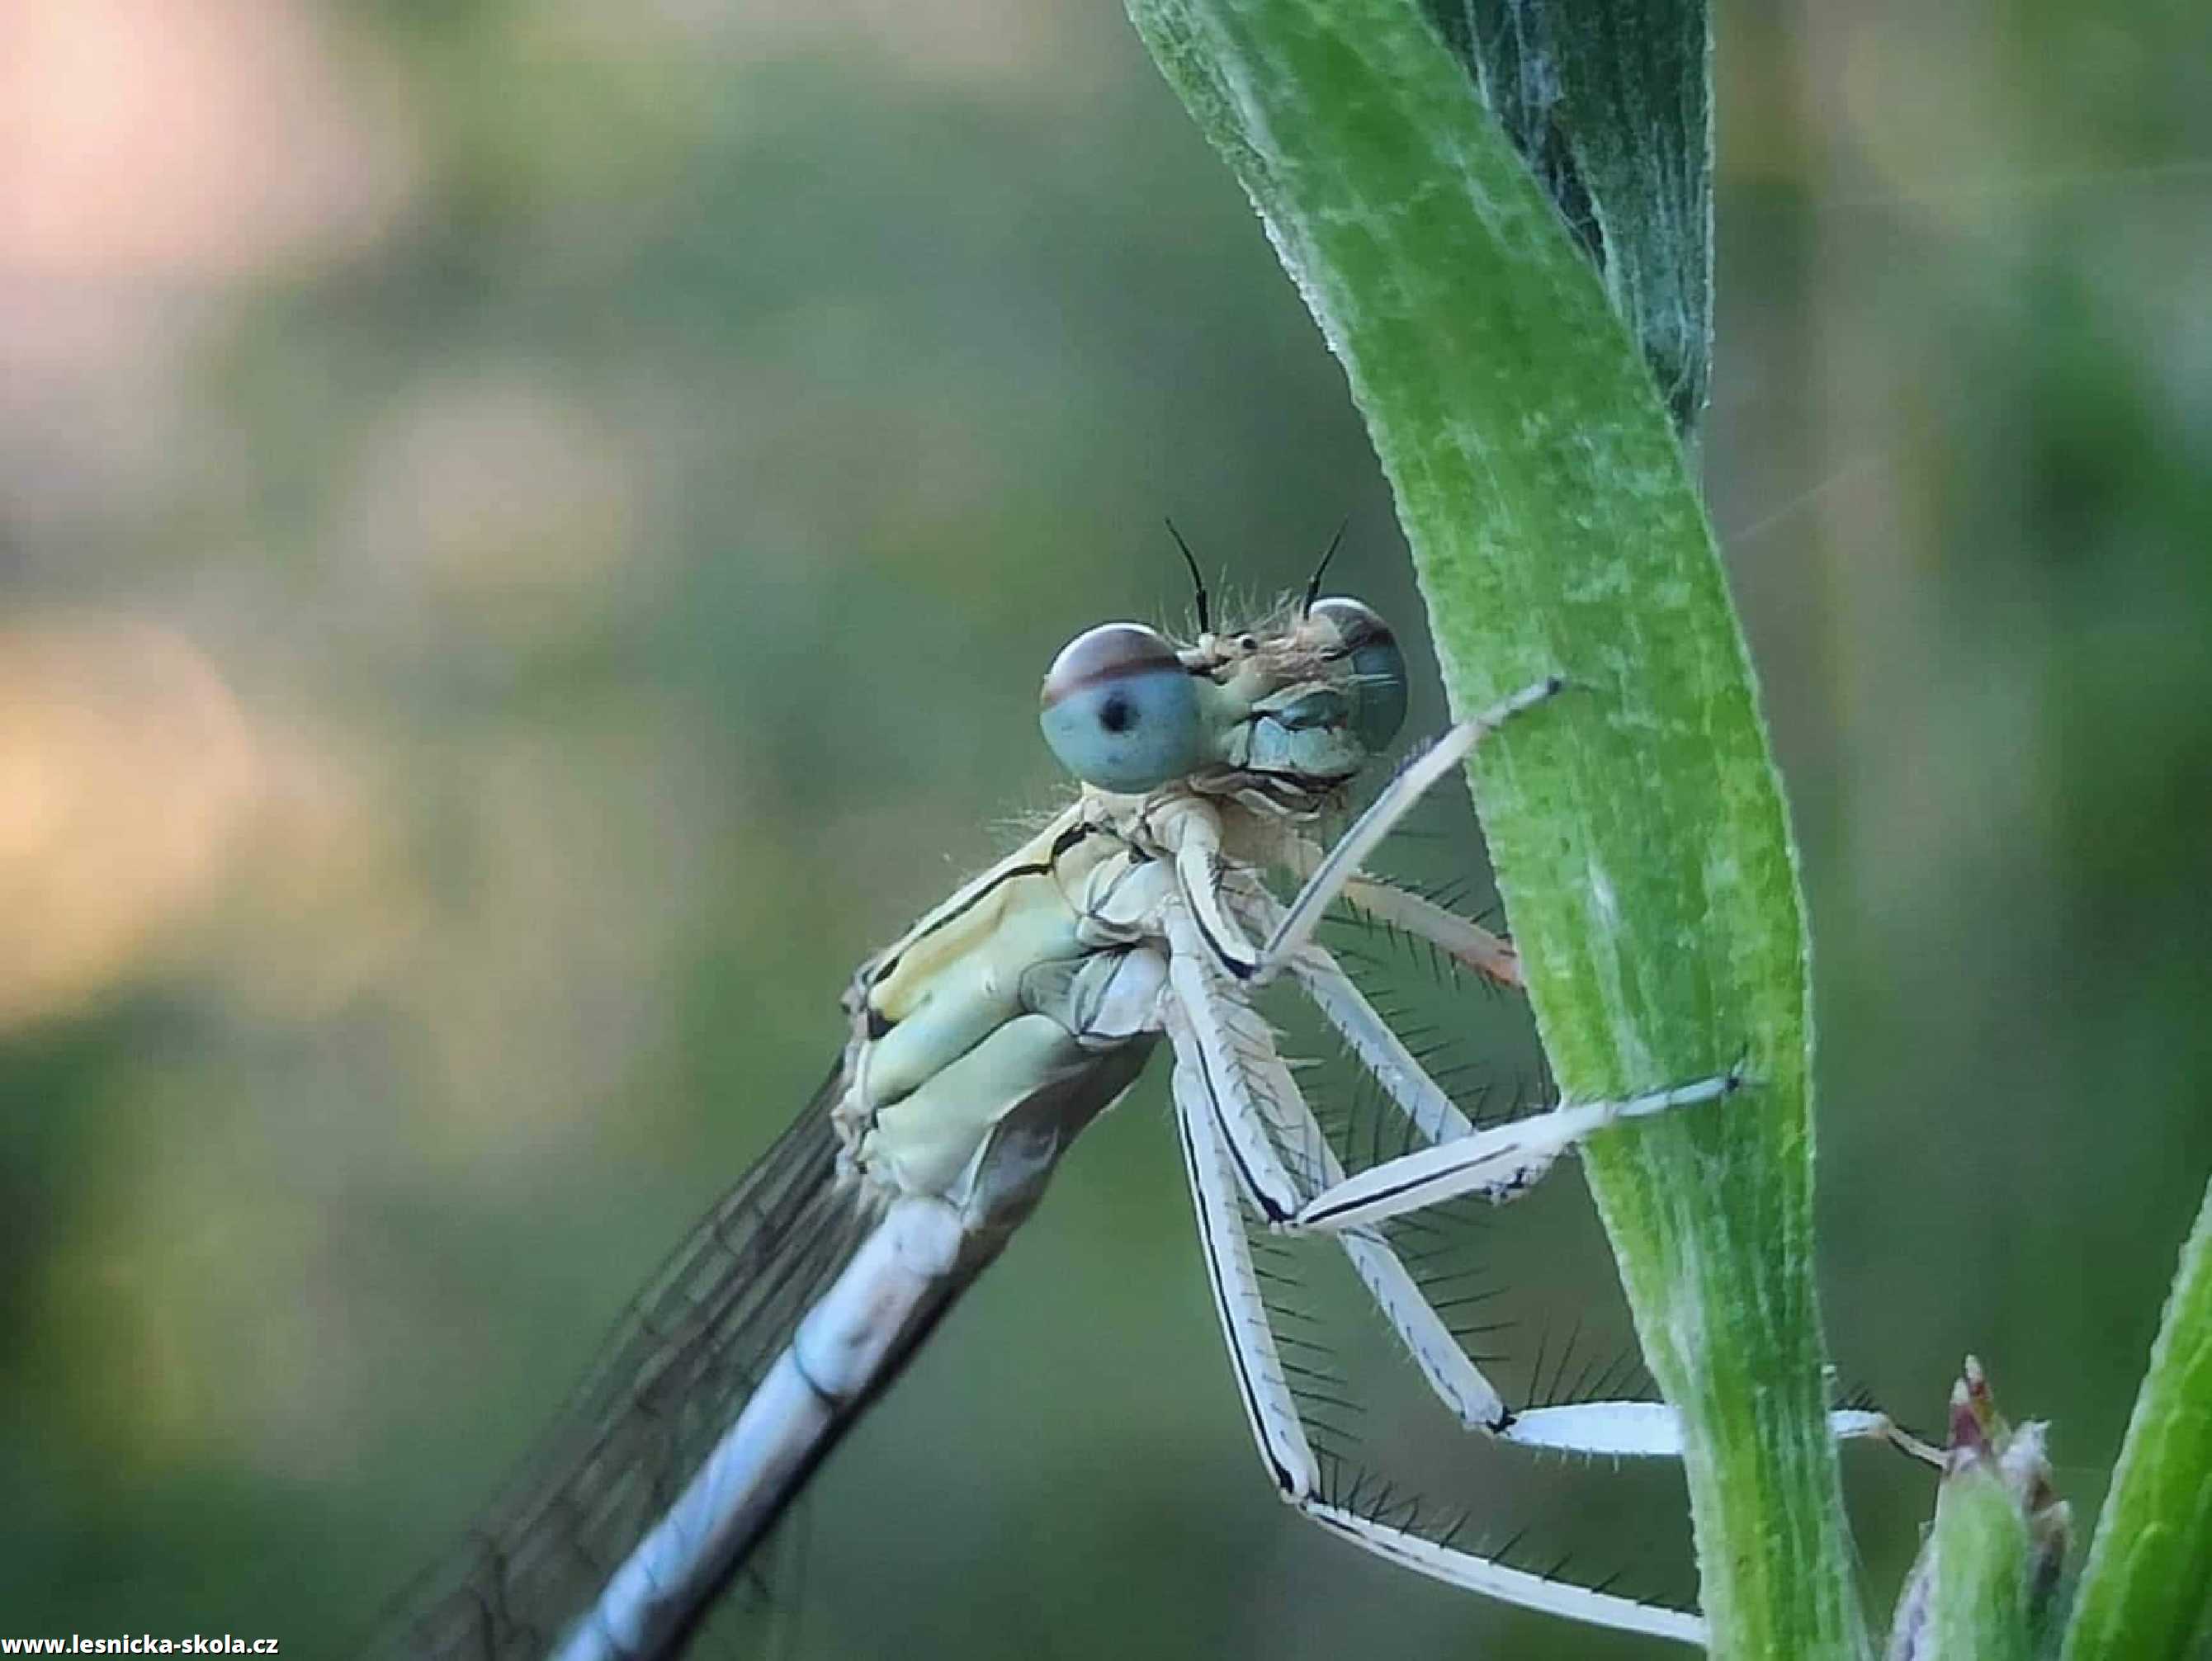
[1271, 1410]
[1381, 1052]
[1616, 1429]
[1652, 1429]
[1619, 1430]
[1497, 1165]
[1487, 953]
[1269, 1407]
[1342, 864]
[1471, 1572]
[1247, 1088]
[1200, 865]
[1456, 1381]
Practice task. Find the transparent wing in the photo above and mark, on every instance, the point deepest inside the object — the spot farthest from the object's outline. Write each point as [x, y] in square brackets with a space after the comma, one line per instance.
[672, 1377]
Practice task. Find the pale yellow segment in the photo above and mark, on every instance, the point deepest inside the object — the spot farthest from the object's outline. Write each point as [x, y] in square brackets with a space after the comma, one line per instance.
[958, 927]
[957, 977]
[967, 992]
[926, 1143]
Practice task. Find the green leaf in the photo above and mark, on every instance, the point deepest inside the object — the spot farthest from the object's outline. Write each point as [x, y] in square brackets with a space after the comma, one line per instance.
[1611, 107]
[1635, 822]
[2146, 1593]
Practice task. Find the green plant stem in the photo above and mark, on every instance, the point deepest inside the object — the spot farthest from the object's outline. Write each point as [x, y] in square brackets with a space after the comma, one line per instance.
[1636, 821]
[2146, 1593]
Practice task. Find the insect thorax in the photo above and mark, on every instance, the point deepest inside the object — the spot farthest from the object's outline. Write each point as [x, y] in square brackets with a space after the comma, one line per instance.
[1000, 1025]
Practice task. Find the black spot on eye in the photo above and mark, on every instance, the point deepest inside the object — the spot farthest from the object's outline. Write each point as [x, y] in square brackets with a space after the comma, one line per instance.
[1116, 715]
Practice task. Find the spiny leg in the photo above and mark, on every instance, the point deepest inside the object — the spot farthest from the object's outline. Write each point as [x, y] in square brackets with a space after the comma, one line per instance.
[1200, 862]
[1653, 1430]
[1430, 1110]
[1243, 1080]
[1271, 1411]
[1441, 1560]
[1592, 1427]
[1269, 1407]
[1342, 862]
[1499, 1164]
[1456, 1380]
[1488, 954]
[1597, 1429]
[1600, 1429]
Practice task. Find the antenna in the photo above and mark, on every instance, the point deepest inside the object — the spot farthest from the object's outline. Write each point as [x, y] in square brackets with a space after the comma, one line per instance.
[1197, 581]
[1313, 583]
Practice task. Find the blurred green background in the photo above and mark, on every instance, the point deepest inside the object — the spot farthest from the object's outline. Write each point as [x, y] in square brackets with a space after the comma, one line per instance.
[529, 532]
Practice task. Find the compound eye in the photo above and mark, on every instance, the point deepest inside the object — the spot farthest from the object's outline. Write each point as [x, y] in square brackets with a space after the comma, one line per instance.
[1120, 711]
[1378, 667]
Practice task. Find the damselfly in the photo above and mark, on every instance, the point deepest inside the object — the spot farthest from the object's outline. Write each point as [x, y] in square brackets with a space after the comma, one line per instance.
[981, 1044]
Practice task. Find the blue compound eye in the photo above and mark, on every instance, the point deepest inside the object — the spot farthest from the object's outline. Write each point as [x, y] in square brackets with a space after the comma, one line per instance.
[1120, 710]
[1377, 666]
